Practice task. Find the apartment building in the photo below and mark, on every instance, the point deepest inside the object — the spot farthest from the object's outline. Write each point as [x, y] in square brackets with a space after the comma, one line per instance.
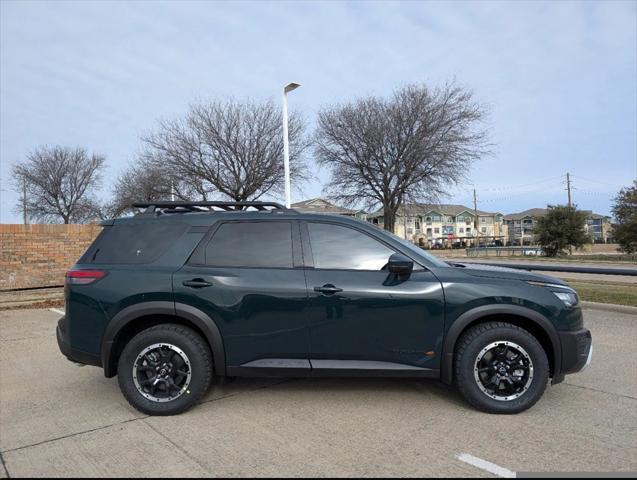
[445, 225]
[320, 205]
[599, 227]
[521, 226]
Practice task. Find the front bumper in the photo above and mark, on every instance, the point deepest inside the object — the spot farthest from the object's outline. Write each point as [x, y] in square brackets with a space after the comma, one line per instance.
[577, 350]
[72, 354]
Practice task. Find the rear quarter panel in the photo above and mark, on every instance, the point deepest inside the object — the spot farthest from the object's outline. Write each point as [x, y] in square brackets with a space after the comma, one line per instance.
[90, 308]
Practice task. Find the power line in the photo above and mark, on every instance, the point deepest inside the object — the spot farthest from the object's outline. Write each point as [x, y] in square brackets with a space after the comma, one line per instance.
[600, 182]
[516, 187]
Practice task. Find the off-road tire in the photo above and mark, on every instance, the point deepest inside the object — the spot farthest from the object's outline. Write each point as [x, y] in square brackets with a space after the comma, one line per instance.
[468, 348]
[198, 353]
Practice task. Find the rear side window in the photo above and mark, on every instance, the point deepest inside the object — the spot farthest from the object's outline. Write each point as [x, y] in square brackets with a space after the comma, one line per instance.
[134, 243]
[251, 244]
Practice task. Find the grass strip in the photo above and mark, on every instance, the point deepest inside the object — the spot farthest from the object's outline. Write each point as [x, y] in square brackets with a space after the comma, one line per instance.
[606, 292]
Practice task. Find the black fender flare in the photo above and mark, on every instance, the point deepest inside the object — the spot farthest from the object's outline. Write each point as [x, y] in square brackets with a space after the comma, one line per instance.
[191, 314]
[457, 327]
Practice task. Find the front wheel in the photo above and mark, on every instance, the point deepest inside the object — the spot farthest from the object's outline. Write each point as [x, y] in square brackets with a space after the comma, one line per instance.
[165, 369]
[500, 368]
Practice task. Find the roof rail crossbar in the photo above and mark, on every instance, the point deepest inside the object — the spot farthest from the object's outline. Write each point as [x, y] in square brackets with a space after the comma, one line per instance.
[207, 206]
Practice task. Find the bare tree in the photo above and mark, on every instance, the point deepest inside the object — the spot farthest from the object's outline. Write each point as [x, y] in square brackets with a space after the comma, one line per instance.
[59, 184]
[413, 146]
[146, 180]
[230, 148]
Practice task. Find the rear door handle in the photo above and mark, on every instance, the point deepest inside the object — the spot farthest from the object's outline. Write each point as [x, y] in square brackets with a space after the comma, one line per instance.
[196, 283]
[328, 289]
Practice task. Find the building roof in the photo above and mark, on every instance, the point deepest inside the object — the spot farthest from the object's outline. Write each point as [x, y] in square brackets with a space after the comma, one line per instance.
[595, 216]
[540, 212]
[442, 208]
[320, 205]
[530, 213]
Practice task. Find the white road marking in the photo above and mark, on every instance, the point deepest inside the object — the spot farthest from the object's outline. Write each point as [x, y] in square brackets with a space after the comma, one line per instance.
[484, 465]
[57, 310]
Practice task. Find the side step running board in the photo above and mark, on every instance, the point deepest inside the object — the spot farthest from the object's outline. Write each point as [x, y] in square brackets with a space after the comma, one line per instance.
[291, 367]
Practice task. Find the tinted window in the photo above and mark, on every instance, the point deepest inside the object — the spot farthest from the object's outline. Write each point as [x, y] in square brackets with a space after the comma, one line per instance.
[341, 248]
[256, 244]
[134, 243]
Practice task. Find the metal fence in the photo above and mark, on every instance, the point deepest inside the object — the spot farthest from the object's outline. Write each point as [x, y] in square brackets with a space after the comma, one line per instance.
[533, 251]
[566, 268]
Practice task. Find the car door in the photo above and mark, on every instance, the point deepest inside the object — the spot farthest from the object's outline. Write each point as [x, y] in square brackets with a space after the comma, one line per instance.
[360, 318]
[248, 277]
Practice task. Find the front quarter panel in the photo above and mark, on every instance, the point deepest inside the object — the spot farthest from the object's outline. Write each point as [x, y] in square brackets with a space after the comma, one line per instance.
[465, 292]
[470, 298]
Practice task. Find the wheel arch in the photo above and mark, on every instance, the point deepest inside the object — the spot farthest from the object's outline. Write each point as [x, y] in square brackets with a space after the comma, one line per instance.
[534, 322]
[135, 318]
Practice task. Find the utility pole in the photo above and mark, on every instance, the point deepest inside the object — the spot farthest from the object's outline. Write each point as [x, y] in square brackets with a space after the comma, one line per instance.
[24, 200]
[475, 213]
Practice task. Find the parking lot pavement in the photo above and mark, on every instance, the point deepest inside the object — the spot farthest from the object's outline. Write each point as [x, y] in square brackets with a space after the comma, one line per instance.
[58, 419]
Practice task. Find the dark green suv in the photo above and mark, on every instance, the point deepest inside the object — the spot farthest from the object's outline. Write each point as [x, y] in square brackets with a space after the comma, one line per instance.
[182, 292]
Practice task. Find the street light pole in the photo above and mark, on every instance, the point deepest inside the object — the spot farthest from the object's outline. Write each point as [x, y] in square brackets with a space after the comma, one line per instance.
[286, 146]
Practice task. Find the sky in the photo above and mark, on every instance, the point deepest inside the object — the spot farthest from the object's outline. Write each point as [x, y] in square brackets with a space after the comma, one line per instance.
[559, 80]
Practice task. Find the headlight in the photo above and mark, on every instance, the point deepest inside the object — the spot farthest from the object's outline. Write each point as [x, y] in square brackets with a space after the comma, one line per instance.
[566, 294]
[569, 298]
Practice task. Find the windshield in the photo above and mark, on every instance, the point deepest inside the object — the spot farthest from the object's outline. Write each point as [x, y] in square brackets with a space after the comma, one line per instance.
[419, 251]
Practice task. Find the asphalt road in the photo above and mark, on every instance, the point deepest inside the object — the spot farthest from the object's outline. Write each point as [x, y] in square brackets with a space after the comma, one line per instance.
[58, 419]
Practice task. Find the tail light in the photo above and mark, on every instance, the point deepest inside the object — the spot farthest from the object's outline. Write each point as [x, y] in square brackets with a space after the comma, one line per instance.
[83, 277]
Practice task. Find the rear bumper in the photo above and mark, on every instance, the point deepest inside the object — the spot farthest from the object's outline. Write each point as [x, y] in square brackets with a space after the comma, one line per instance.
[577, 350]
[71, 354]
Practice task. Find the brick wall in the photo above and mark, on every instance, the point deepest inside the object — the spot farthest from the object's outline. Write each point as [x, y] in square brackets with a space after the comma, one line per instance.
[39, 255]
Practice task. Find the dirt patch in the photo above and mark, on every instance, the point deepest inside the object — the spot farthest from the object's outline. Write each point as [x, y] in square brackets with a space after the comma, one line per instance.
[37, 298]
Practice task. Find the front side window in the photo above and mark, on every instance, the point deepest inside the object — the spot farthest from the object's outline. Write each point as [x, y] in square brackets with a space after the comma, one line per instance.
[251, 244]
[336, 247]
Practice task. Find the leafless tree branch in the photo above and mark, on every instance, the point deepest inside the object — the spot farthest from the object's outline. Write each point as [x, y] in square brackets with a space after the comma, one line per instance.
[229, 148]
[410, 147]
[60, 184]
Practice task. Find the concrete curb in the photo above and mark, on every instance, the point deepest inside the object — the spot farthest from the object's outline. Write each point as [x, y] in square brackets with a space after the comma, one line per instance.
[610, 307]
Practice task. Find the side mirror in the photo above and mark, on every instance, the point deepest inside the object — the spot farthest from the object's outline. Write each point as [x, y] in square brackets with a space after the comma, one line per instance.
[400, 264]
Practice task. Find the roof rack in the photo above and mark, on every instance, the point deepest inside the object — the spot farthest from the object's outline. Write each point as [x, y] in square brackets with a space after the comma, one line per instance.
[160, 207]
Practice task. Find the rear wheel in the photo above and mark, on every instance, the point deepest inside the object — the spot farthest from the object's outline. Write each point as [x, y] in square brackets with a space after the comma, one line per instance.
[165, 370]
[500, 368]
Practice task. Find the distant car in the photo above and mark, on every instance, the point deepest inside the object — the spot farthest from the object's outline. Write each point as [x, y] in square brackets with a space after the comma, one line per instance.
[177, 294]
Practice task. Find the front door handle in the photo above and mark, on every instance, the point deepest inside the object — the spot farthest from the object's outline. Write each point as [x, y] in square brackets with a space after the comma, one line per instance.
[328, 289]
[196, 283]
